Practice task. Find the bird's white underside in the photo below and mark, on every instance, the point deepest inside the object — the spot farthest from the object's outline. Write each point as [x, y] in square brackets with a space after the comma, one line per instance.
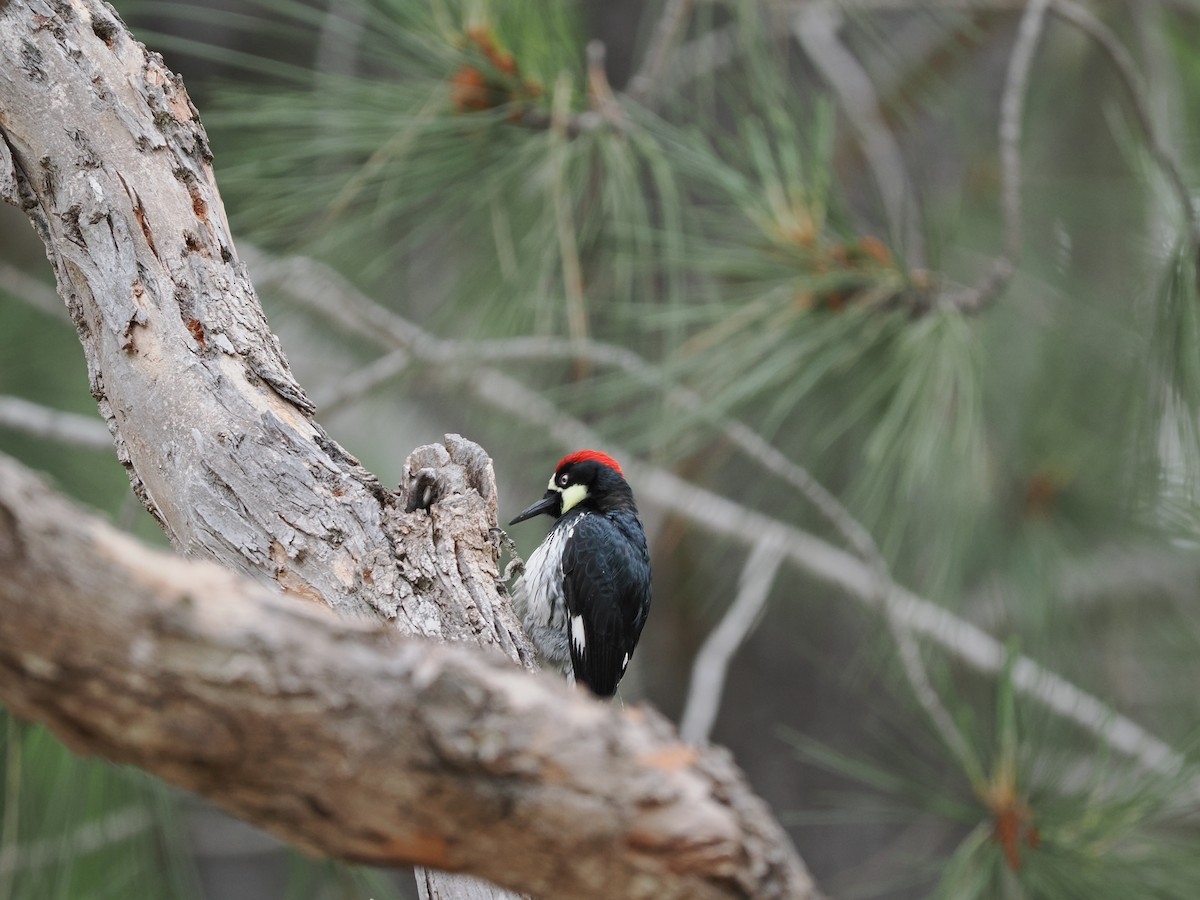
[541, 604]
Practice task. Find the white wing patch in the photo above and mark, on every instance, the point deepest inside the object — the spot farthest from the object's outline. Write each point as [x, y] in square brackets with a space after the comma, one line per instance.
[578, 635]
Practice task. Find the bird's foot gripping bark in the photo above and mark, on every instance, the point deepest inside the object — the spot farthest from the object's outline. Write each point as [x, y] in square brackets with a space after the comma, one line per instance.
[516, 565]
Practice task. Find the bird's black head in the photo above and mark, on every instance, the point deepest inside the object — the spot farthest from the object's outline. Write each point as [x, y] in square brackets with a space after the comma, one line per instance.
[588, 479]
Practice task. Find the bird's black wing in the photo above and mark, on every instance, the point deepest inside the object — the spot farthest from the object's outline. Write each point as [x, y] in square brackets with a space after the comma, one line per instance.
[606, 581]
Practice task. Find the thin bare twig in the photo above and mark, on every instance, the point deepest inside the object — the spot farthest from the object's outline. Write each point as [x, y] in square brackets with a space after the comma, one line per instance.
[1012, 112]
[600, 92]
[331, 296]
[362, 381]
[816, 28]
[670, 24]
[712, 661]
[52, 424]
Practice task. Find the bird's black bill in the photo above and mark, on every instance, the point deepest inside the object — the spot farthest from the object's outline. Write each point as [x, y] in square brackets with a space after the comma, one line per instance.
[548, 504]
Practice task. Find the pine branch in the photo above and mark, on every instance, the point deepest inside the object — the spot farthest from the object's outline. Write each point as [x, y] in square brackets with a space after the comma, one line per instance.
[1012, 110]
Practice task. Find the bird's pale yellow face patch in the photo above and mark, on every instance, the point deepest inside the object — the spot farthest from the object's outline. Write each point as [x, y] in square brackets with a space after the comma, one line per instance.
[572, 494]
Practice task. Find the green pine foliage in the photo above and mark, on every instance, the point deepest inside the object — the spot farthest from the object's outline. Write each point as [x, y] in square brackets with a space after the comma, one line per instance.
[460, 162]
[75, 828]
[84, 829]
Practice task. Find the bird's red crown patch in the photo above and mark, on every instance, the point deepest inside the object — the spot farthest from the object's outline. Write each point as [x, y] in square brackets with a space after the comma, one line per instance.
[595, 456]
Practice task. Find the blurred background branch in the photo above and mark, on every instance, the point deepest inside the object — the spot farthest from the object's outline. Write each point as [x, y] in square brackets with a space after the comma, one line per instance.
[709, 670]
[38, 421]
[816, 28]
[665, 35]
[1012, 116]
[1139, 99]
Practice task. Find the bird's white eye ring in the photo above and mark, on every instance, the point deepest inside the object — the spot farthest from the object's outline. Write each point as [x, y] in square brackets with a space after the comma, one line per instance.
[564, 479]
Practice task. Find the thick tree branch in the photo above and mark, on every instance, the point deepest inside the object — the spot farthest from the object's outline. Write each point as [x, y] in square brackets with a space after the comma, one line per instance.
[127, 206]
[344, 738]
[215, 433]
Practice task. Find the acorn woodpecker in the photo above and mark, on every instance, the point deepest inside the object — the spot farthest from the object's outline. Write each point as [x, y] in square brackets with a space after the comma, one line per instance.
[585, 591]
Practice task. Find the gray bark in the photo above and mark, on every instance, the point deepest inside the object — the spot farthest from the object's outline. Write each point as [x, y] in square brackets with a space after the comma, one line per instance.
[103, 150]
[207, 419]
